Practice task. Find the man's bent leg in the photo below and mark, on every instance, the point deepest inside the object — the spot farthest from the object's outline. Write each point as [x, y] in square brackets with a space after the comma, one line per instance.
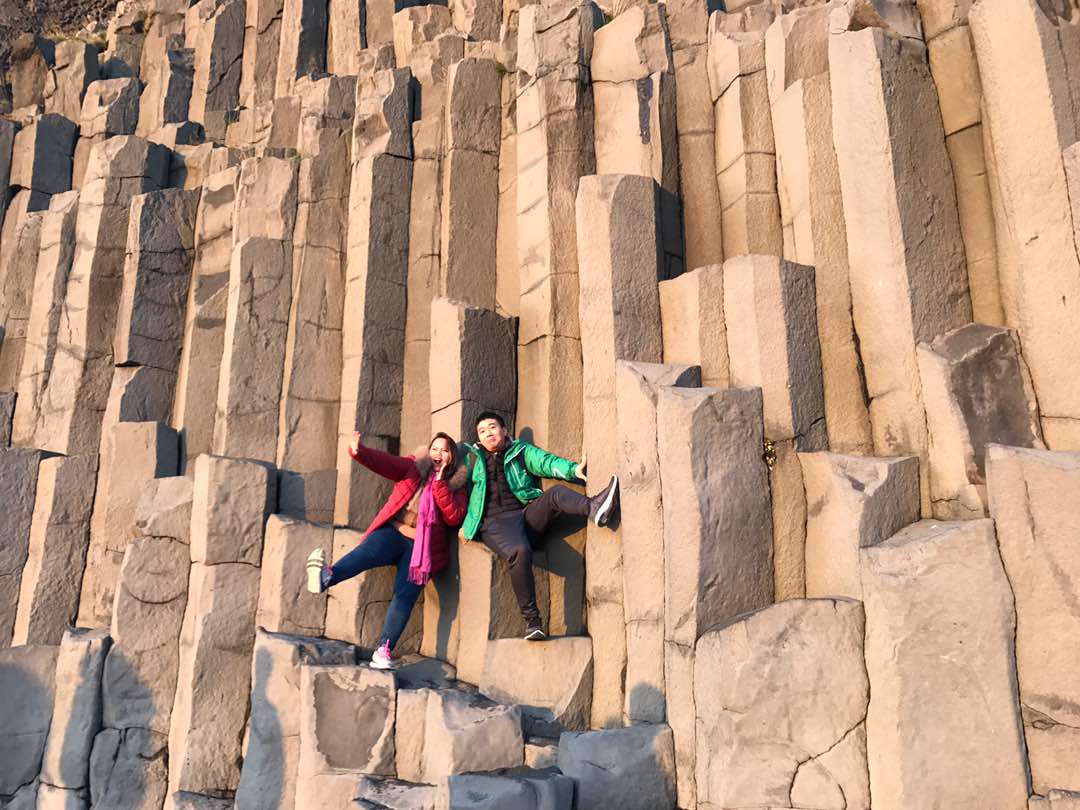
[555, 502]
[505, 536]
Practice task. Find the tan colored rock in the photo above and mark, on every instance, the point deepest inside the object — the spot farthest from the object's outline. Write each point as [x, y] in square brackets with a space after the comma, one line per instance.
[977, 390]
[472, 366]
[853, 502]
[31, 58]
[269, 773]
[745, 150]
[167, 70]
[78, 390]
[75, 66]
[477, 19]
[552, 682]
[192, 164]
[137, 451]
[372, 342]
[128, 769]
[137, 394]
[76, 716]
[302, 49]
[344, 36]
[285, 606]
[928, 591]
[141, 670]
[375, 793]
[692, 316]
[717, 550]
[164, 508]
[111, 107]
[18, 266]
[26, 677]
[57, 247]
[309, 495]
[1055, 800]
[470, 183]
[627, 768]
[8, 130]
[886, 267]
[642, 529]
[311, 386]
[157, 275]
[773, 344]
[1034, 511]
[415, 25]
[520, 790]
[59, 531]
[812, 208]
[216, 32]
[214, 680]
[262, 44]
[465, 733]
[204, 324]
[18, 485]
[797, 669]
[232, 500]
[41, 159]
[619, 310]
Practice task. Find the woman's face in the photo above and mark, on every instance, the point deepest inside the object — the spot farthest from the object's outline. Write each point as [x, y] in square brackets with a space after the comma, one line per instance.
[441, 454]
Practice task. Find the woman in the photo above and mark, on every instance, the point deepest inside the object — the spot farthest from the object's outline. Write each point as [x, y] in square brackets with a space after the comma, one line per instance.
[411, 531]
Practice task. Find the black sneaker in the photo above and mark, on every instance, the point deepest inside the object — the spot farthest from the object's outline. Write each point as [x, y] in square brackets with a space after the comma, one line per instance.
[535, 632]
[605, 503]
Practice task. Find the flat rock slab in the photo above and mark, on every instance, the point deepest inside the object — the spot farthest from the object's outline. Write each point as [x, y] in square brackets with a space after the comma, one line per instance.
[621, 769]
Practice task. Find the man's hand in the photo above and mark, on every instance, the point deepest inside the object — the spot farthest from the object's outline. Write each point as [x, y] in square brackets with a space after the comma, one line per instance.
[579, 470]
[354, 444]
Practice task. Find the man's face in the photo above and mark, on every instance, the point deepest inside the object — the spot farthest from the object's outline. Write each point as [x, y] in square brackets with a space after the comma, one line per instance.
[491, 434]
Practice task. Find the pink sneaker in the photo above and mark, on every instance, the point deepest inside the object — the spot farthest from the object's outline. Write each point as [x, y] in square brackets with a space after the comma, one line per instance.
[381, 658]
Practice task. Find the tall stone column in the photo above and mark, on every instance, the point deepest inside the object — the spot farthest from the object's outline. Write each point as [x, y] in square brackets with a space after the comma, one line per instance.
[619, 310]
[216, 32]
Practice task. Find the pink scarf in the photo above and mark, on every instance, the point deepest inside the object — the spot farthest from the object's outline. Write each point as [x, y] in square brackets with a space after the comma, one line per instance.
[420, 562]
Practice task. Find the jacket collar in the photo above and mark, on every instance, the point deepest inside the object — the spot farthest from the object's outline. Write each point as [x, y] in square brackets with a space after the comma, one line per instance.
[424, 466]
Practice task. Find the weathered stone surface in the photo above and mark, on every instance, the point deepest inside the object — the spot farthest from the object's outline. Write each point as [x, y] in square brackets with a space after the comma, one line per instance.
[18, 268]
[472, 366]
[1055, 800]
[214, 680]
[164, 508]
[111, 107]
[302, 49]
[285, 606]
[137, 394]
[619, 312]
[717, 549]
[183, 800]
[551, 682]
[345, 25]
[157, 275]
[139, 682]
[26, 678]
[7, 413]
[976, 390]
[692, 317]
[927, 591]
[262, 44]
[216, 32]
[204, 325]
[73, 402]
[18, 485]
[42, 158]
[477, 19]
[797, 669]
[629, 768]
[31, 58]
[1034, 509]
[853, 502]
[54, 798]
[59, 532]
[510, 790]
[128, 770]
[903, 289]
[74, 67]
[167, 71]
[642, 529]
[1025, 52]
[465, 733]
[773, 344]
[372, 342]
[377, 793]
[232, 500]
[812, 208]
[268, 776]
[192, 164]
[137, 451]
[309, 496]
[76, 715]
[8, 130]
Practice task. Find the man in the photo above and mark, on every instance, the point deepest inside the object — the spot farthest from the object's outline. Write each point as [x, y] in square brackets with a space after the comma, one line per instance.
[509, 512]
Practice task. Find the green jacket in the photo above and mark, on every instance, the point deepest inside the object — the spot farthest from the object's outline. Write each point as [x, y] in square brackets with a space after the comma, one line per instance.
[524, 464]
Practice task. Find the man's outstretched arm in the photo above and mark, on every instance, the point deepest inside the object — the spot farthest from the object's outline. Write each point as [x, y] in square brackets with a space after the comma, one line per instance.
[543, 464]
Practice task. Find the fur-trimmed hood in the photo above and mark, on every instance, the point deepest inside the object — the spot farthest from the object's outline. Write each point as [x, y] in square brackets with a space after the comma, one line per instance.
[422, 459]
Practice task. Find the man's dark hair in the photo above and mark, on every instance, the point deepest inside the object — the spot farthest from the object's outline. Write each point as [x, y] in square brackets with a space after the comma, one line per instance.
[491, 415]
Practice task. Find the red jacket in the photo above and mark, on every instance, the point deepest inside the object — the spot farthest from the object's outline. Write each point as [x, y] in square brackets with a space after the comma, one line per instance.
[408, 472]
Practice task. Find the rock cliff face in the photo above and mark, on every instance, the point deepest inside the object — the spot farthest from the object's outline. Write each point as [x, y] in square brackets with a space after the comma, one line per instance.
[804, 275]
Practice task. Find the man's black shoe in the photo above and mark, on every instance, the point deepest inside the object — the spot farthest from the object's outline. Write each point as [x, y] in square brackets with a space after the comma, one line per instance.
[605, 503]
[535, 633]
